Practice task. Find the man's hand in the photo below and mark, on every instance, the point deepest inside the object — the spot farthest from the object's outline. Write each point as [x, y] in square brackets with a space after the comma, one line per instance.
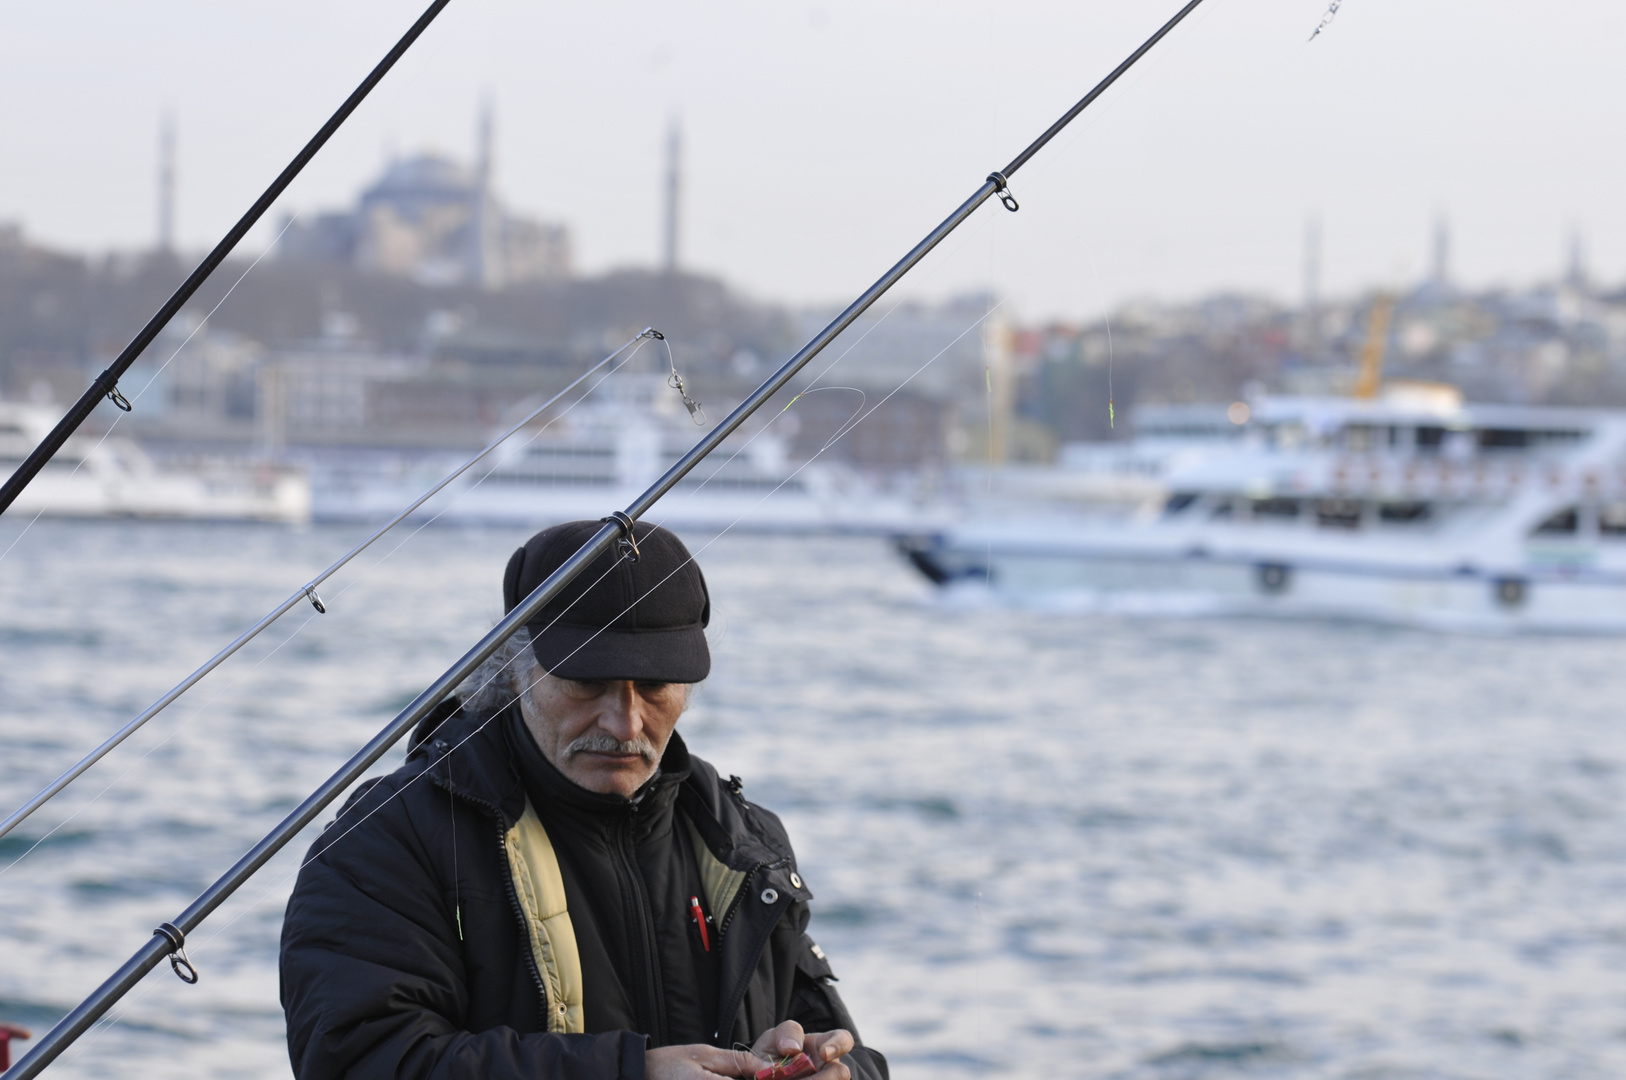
[826, 1048]
[698, 1062]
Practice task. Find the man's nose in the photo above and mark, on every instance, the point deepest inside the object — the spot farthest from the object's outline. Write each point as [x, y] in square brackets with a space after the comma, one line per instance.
[623, 714]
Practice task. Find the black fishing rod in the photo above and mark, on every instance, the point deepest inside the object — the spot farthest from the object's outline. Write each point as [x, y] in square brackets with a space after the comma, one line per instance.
[169, 940]
[106, 385]
[304, 592]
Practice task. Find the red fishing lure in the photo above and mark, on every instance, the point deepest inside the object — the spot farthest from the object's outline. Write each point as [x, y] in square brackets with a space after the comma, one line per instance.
[788, 1068]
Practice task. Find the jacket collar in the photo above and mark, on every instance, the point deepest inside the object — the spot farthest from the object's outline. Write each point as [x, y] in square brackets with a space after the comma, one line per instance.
[547, 785]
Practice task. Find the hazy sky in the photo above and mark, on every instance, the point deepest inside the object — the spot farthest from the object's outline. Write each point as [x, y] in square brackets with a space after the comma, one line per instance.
[823, 139]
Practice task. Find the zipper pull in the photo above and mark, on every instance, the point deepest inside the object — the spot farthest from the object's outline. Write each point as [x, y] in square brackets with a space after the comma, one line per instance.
[700, 921]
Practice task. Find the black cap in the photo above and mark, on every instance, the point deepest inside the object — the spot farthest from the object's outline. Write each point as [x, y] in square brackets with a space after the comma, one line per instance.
[617, 619]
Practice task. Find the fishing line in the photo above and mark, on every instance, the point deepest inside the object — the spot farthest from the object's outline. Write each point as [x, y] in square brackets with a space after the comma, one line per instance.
[693, 556]
[845, 426]
[831, 441]
[308, 592]
[328, 845]
[950, 249]
[202, 709]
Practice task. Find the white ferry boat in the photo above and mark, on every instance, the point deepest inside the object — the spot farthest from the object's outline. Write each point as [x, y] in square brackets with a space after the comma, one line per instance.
[95, 477]
[601, 455]
[1410, 508]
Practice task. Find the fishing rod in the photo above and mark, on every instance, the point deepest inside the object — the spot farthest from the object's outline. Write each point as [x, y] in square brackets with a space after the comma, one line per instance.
[106, 385]
[169, 940]
[304, 592]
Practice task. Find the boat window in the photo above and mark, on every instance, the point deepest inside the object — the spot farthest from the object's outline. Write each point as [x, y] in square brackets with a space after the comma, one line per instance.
[1338, 513]
[1358, 438]
[1179, 501]
[1403, 513]
[1612, 519]
[1563, 523]
[1222, 511]
[1430, 438]
[1503, 439]
[1276, 508]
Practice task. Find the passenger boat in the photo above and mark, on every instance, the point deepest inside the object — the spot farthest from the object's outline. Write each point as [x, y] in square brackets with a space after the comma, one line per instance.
[1411, 507]
[101, 477]
[606, 450]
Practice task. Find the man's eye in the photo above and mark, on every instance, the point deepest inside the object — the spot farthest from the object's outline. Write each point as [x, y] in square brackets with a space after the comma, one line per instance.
[588, 688]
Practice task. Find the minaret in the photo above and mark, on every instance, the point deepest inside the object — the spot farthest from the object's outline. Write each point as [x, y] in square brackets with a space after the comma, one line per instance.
[1312, 287]
[1441, 276]
[674, 189]
[1575, 276]
[485, 237]
[166, 185]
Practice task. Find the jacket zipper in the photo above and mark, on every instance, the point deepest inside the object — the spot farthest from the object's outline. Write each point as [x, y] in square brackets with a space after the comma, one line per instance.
[739, 899]
[525, 927]
[513, 900]
[629, 868]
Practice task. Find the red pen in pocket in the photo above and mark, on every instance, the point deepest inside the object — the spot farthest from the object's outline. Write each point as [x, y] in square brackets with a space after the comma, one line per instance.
[700, 921]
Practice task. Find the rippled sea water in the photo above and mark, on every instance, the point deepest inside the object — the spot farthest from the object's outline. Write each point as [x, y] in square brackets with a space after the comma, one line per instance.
[1042, 844]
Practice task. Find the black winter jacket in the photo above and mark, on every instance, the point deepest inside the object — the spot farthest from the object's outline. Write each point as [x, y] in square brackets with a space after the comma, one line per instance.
[378, 979]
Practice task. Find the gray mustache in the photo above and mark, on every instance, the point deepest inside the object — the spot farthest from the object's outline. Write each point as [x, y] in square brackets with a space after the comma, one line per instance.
[604, 743]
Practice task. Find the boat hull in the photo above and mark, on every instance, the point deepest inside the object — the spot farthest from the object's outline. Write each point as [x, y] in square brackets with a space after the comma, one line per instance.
[1546, 595]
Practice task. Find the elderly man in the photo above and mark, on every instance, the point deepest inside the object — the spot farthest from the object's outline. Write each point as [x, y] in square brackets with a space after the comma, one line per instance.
[552, 885]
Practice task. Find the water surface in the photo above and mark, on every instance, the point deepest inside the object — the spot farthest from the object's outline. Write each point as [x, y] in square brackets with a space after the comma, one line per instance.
[1041, 843]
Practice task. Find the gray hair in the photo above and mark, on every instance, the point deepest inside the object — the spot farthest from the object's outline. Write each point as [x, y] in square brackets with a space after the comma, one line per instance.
[490, 689]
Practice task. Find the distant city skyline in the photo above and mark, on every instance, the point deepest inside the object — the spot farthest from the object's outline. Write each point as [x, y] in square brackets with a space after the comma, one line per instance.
[819, 141]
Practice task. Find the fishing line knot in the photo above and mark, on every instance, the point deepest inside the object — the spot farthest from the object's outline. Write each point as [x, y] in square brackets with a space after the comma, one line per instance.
[1003, 190]
[178, 959]
[629, 542]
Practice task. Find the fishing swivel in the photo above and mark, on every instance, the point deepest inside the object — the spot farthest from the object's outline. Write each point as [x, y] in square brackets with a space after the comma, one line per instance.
[696, 411]
[177, 952]
[1003, 190]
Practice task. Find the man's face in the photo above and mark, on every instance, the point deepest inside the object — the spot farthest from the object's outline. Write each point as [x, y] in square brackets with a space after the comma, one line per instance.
[606, 736]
